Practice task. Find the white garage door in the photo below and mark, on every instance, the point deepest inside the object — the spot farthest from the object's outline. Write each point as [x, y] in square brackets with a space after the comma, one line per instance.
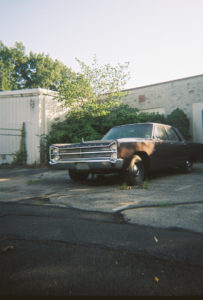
[198, 122]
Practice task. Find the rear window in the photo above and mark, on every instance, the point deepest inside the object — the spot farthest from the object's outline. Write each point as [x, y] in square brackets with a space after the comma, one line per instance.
[172, 134]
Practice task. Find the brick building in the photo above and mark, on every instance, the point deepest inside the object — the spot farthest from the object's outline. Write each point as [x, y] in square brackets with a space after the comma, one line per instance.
[164, 97]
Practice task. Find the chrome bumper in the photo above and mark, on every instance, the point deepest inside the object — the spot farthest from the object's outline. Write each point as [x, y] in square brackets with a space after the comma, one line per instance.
[89, 165]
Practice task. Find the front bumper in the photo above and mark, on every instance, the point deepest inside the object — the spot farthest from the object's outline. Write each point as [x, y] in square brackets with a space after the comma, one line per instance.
[89, 165]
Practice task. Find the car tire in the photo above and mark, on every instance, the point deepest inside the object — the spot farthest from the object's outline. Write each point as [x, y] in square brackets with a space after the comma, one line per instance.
[135, 174]
[77, 176]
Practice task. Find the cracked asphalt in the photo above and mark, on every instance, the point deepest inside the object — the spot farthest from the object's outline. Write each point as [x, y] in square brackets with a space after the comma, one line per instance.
[100, 237]
[169, 199]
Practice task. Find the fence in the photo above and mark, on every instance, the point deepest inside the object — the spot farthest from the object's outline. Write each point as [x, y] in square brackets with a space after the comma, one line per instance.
[13, 144]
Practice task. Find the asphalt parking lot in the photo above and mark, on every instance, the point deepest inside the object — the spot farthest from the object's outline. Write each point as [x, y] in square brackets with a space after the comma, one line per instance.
[169, 199]
[101, 237]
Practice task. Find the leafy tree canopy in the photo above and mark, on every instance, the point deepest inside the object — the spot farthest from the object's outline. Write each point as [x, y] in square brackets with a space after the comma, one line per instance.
[96, 89]
[20, 71]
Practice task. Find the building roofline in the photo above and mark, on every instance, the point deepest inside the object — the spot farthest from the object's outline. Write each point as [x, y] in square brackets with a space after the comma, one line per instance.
[41, 91]
[26, 92]
[161, 83]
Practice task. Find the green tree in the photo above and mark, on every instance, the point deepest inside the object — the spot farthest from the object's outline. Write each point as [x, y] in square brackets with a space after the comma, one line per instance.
[12, 61]
[96, 89]
[19, 70]
[42, 71]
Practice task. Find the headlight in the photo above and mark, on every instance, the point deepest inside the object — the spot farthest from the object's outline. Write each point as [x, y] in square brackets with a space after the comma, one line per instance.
[55, 153]
[114, 147]
[114, 151]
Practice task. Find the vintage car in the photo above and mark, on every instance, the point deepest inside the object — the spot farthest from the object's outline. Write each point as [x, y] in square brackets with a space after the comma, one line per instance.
[133, 149]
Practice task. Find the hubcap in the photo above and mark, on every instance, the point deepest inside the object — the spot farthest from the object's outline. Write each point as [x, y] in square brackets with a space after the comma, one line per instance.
[138, 174]
[136, 170]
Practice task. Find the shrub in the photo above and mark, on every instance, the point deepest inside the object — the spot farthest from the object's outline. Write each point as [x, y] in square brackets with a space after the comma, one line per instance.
[179, 119]
[82, 124]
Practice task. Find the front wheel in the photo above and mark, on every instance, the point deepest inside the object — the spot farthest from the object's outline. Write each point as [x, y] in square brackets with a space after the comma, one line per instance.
[77, 176]
[135, 174]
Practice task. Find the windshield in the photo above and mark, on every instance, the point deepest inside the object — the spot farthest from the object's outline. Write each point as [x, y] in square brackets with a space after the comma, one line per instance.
[129, 131]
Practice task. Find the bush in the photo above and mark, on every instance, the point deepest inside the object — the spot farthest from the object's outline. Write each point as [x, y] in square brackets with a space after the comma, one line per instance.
[179, 119]
[82, 124]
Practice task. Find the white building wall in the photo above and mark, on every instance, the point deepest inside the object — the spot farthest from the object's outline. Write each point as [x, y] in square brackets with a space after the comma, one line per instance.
[17, 107]
[198, 122]
[167, 96]
[52, 109]
[37, 109]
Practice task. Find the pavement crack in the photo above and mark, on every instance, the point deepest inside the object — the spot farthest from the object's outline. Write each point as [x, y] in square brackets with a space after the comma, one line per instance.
[160, 204]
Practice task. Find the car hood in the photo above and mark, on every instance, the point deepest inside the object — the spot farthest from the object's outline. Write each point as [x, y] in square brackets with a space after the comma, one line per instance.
[96, 143]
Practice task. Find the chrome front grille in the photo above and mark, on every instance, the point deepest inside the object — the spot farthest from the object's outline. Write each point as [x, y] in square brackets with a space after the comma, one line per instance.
[71, 153]
[79, 153]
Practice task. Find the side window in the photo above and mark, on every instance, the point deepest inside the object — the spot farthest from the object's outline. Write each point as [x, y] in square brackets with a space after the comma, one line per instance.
[172, 134]
[160, 133]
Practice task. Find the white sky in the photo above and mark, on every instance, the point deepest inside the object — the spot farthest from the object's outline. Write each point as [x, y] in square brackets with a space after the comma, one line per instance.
[162, 39]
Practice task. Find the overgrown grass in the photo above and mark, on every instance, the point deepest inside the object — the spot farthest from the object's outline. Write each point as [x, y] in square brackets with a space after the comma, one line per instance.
[164, 204]
[33, 181]
[124, 186]
[143, 185]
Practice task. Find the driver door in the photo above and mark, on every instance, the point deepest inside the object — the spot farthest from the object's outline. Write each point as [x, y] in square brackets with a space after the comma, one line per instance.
[162, 156]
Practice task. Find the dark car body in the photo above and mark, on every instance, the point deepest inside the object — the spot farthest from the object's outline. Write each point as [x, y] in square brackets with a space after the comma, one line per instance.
[155, 146]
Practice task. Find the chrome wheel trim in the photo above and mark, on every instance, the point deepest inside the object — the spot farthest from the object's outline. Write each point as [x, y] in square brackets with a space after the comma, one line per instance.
[138, 173]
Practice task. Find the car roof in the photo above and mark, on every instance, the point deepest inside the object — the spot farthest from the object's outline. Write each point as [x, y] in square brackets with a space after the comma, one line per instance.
[149, 123]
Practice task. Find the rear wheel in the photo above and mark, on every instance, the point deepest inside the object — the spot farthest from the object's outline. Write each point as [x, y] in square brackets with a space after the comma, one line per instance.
[77, 176]
[136, 171]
